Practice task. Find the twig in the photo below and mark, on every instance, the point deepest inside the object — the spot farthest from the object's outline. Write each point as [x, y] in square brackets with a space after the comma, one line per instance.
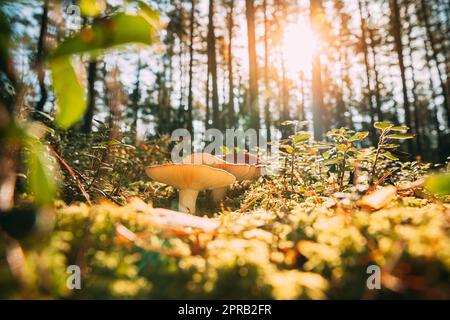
[74, 176]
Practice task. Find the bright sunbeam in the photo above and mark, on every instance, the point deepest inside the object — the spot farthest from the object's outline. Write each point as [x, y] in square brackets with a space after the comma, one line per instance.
[299, 47]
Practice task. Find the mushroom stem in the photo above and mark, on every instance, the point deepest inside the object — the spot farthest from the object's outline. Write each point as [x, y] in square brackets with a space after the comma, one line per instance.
[187, 200]
[218, 194]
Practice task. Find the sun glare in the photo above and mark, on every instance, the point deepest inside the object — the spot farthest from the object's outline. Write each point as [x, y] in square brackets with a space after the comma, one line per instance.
[299, 47]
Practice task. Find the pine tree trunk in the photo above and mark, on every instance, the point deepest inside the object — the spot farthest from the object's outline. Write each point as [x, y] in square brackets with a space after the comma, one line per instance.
[397, 30]
[212, 63]
[432, 41]
[317, 94]
[190, 120]
[253, 65]
[89, 115]
[231, 113]
[368, 78]
[267, 118]
[40, 58]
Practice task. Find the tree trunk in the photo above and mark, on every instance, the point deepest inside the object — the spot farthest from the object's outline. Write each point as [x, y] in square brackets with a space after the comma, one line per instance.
[89, 115]
[190, 117]
[40, 58]
[212, 63]
[267, 118]
[135, 102]
[231, 113]
[317, 94]
[432, 42]
[417, 124]
[377, 84]
[301, 112]
[253, 65]
[397, 30]
[367, 70]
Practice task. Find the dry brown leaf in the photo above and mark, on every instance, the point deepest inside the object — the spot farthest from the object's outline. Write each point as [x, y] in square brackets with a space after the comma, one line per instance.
[378, 199]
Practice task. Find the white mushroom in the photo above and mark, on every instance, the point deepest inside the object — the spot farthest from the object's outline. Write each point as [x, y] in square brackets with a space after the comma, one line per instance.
[189, 179]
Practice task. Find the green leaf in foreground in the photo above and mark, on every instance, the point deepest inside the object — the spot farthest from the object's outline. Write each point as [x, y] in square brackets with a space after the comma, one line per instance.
[401, 136]
[41, 176]
[302, 137]
[92, 8]
[358, 136]
[118, 30]
[70, 99]
[383, 125]
[439, 184]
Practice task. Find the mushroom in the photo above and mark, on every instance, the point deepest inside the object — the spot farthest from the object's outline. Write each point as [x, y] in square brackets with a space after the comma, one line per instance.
[242, 171]
[189, 179]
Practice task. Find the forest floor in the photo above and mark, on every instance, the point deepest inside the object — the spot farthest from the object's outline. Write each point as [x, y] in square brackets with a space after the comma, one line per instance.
[265, 242]
[295, 234]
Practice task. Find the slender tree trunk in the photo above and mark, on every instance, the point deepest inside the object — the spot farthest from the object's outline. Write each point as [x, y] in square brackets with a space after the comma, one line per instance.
[190, 120]
[301, 112]
[267, 118]
[231, 113]
[377, 83]
[135, 102]
[417, 123]
[397, 30]
[253, 65]
[317, 94]
[40, 58]
[284, 95]
[89, 115]
[367, 70]
[432, 41]
[212, 63]
[440, 147]
[207, 113]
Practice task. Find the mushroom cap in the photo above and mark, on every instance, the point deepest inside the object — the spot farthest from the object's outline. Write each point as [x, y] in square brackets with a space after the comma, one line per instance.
[239, 170]
[242, 157]
[190, 176]
[202, 158]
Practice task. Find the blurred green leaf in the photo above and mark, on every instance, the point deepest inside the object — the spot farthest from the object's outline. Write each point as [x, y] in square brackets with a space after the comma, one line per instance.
[41, 176]
[70, 100]
[286, 148]
[383, 125]
[92, 8]
[439, 184]
[107, 33]
[399, 128]
[389, 155]
[401, 136]
[302, 137]
[358, 136]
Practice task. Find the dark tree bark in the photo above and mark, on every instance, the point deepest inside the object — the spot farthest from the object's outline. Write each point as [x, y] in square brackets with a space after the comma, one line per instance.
[367, 70]
[231, 113]
[317, 94]
[417, 123]
[89, 115]
[212, 64]
[377, 84]
[190, 118]
[397, 31]
[40, 58]
[432, 42]
[267, 117]
[135, 102]
[253, 65]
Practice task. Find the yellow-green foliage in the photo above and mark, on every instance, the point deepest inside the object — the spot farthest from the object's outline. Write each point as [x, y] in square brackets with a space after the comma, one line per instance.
[312, 251]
